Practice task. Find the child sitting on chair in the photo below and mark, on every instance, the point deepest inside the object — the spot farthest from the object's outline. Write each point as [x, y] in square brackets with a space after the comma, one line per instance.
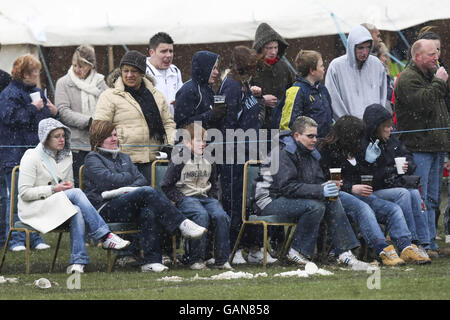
[193, 187]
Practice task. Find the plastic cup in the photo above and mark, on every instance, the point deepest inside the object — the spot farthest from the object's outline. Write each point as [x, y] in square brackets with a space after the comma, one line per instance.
[399, 164]
[42, 283]
[35, 96]
[219, 99]
[367, 179]
[335, 175]
[311, 268]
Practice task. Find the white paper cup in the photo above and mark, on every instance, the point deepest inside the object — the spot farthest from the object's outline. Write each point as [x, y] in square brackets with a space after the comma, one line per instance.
[399, 164]
[35, 96]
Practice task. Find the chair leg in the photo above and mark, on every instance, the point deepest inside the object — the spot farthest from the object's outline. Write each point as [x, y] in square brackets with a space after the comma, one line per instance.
[52, 266]
[27, 245]
[236, 244]
[265, 245]
[284, 247]
[5, 249]
[174, 248]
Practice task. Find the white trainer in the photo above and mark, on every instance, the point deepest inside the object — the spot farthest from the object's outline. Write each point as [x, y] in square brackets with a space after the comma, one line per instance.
[349, 259]
[238, 258]
[113, 241]
[199, 266]
[297, 257]
[42, 246]
[257, 256]
[155, 267]
[225, 266]
[18, 248]
[210, 261]
[73, 268]
[190, 230]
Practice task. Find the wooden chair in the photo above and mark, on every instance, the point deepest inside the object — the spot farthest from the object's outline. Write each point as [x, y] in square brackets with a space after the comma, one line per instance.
[159, 168]
[251, 170]
[19, 226]
[115, 227]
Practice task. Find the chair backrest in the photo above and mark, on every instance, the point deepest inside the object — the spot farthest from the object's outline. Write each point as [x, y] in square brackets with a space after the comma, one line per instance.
[80, 177]
[159, 168]
[13, 195]
[251, 172]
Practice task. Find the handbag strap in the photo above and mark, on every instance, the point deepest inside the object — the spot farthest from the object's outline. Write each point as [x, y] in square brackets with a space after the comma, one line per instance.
[49, 164]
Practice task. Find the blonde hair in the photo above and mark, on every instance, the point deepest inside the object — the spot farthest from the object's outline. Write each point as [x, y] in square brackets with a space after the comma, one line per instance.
[24, 64]
[306, 61]
[84, 55]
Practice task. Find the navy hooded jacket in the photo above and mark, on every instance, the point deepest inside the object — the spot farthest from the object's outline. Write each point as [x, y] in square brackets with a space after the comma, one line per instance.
[194, 100]
[19, 120]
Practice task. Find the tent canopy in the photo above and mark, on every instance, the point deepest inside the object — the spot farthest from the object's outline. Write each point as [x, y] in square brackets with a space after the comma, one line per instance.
[112, 22]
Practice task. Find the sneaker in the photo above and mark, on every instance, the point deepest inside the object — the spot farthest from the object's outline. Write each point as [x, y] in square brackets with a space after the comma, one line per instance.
[166, 260]
[389, 257]
[42, 246]
[73, 268]
[411, 255]
[126, 261]
[432, 253]
[437, 238]
[349, 259]
[113, 241]
[225, 266]
[258, 257]
[200, 265]
[297, 257]
[422, 252]
[18, 248]
[155, 267]
[238, 258]
[210, 261]
[447, 238]
[190, 230]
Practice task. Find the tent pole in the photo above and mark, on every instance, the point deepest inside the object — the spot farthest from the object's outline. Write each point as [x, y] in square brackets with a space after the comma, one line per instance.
[110, 58]
[47, 72]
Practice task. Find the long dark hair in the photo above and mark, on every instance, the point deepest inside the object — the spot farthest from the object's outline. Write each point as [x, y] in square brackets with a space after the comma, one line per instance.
[345, 136]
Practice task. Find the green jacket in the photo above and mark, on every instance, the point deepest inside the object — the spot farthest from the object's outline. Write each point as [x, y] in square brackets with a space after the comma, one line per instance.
[420, 104]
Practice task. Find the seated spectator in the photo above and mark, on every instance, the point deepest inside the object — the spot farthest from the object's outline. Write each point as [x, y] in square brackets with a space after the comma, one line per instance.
[307, 96]
[299, 190]
[193, 187]
[401, 189]
[47, 198]
[119, 191]
[339, 150]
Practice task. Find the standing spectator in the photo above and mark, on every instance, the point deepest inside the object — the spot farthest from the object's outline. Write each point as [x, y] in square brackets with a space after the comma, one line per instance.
[299, 190]
[195, 99]
[420, 105]
[374, 32]
[109, 171]
[19, 119]
[193, 187]
[356, 79]
[159, 66]
[308, 96]
[242, 113]
[274, 76]
[76, 97]
[139, 112]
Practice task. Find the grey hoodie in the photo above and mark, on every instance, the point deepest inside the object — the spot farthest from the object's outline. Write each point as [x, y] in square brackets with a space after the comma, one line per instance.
[352, 89]
[45, 127]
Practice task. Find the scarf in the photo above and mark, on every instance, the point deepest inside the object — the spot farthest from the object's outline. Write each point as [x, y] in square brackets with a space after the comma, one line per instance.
[145, 98]
[113, 153]
[89, 90]
[271, 61]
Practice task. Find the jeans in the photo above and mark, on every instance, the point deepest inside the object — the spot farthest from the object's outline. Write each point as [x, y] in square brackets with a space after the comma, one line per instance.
[4, 216]
[428, 168]
[206, 212]
[310, 214]
[409, 202]
[152, 211]
[87, 216]
[17, 238]
[368, 212]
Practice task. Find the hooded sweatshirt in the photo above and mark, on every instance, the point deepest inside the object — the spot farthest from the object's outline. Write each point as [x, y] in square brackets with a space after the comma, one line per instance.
[194, 100]
[352, 89]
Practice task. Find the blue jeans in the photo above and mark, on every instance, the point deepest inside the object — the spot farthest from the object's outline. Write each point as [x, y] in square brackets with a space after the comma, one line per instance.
[152, 211]
[368, 212]
[206, 212]
[310, 214]
[4, 216]
[17, 238]
[409, 202]
[87, 218]
[428, 168]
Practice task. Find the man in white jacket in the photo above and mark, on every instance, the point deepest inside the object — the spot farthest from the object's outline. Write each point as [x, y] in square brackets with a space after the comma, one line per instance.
[160, 67]
[356, 79]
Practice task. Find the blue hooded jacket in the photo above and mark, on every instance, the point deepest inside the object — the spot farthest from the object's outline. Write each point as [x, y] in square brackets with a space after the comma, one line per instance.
[19, 120]
[194, 100]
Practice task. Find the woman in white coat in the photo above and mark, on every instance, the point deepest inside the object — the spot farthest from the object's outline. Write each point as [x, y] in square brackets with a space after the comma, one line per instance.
[48, 199]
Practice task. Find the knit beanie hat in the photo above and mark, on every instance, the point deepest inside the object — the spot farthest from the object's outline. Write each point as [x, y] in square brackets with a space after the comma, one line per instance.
[135, 59]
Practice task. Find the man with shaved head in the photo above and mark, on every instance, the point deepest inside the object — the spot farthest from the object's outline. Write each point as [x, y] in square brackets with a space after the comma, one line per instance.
[421, 109]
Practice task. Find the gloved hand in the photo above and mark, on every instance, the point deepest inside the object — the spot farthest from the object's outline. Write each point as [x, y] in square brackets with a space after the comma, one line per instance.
[330, 190]
[218, 111]
[373, 151]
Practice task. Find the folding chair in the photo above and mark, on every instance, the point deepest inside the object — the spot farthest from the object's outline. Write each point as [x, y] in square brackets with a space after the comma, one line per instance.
[159, 168]
[115, 227]
[251, 169]
[19, 226]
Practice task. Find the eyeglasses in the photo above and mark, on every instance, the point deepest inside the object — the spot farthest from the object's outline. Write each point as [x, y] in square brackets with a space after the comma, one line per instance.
[311, 136]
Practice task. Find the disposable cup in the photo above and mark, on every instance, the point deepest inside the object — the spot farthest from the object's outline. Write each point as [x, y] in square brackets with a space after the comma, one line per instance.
[35, 96]
[399, 164]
